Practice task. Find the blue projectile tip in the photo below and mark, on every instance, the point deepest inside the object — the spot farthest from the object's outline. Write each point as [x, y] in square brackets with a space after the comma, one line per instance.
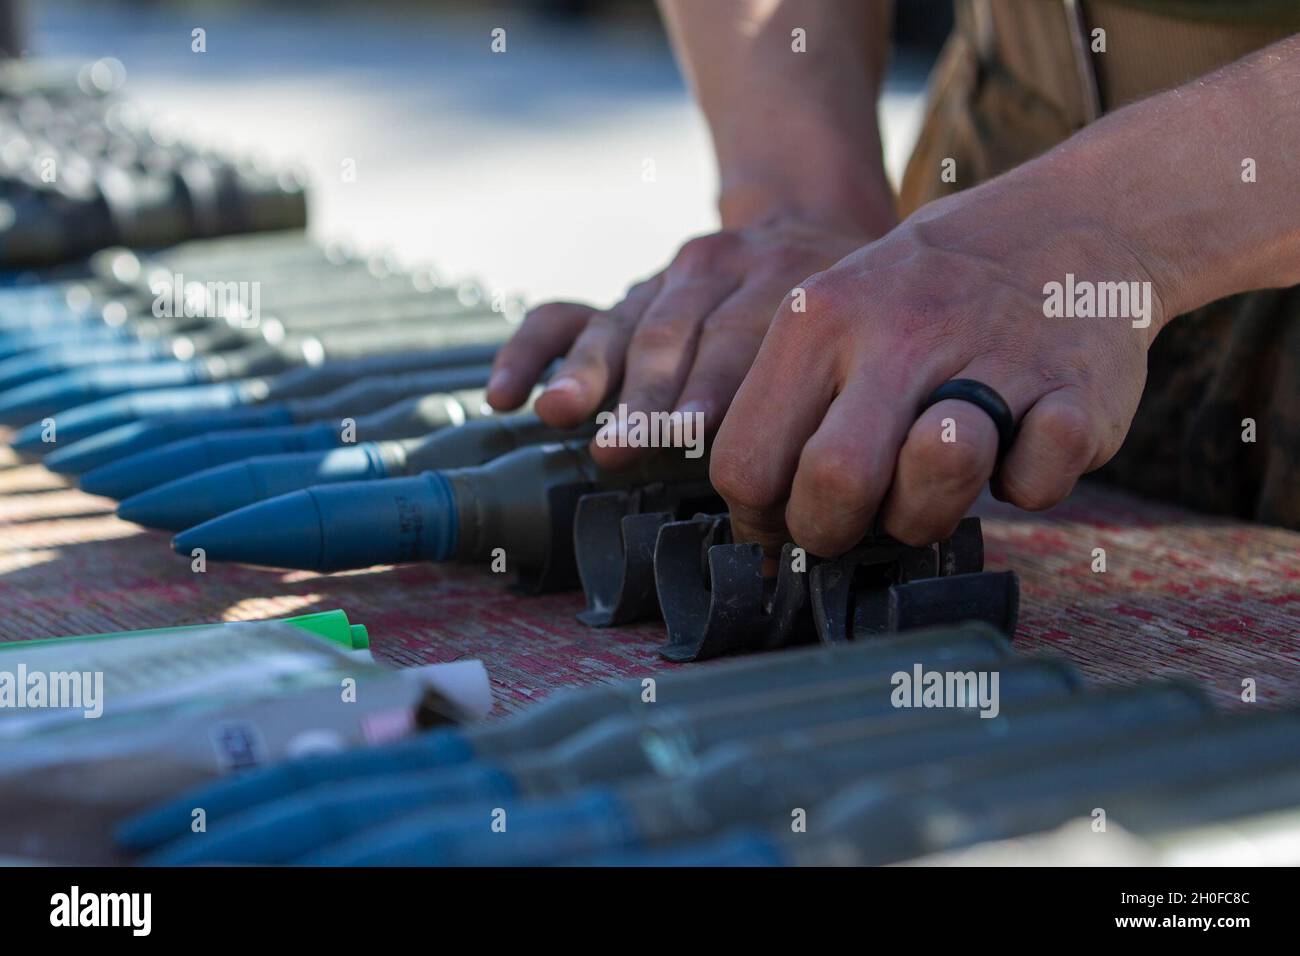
[94, 451]
[192, 499]
[31, 439]
[117, 445]
[124, 477]
[254, 788]
[336, 527]
[41, 398]
[283, 532]
[18, 341]
[78, 423]
[55, 359]
[201, 496]
[22, 369]
[66, 390]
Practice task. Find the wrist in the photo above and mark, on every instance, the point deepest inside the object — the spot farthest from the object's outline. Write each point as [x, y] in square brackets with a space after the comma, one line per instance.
[855, 202]
[825, 165]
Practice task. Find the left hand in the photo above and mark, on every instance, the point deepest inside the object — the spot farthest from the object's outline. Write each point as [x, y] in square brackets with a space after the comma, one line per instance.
[681, 340]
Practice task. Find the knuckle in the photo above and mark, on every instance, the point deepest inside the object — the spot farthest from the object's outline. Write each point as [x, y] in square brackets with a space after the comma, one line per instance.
[963, 460]
[703, 253]
[655, 334]
[832, 474]
[638, 289]
[734, 323]
[734, 480]
[607, 320]
[1069, 429]
[828, 294]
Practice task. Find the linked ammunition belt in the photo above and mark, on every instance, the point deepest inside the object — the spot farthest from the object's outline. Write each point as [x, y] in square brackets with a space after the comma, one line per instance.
[638, 554]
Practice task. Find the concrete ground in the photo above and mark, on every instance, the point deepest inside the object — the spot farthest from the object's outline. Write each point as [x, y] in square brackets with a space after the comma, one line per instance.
[527, 169]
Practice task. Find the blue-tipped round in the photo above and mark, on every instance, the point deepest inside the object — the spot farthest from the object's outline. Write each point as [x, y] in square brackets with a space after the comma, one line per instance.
[289, 828]
[233, 795]
[36, 320]
[129, 476]
[11, 350]
[78, 423]
[48, 396]
[29, 340]
[204, 495]
[336, 527]
[27, 367]
[119, 445]
[55, 359]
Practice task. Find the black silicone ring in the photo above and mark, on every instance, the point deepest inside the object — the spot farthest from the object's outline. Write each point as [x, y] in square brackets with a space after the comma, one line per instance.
[984, 398]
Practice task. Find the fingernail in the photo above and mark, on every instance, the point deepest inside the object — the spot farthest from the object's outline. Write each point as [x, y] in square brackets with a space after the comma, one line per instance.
[565, 384]
[499, 379]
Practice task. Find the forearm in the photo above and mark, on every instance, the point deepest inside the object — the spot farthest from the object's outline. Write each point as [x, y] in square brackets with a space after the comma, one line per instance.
[795, 132]
[1172, 178]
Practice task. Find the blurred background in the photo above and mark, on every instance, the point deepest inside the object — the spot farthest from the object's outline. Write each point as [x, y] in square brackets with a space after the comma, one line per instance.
[567, 166]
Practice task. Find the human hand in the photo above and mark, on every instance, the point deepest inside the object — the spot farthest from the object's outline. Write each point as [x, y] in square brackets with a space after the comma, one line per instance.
[681, 340]
[823, 438]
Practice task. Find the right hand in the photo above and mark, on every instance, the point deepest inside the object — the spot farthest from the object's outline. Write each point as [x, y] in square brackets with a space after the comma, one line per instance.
[682, 339]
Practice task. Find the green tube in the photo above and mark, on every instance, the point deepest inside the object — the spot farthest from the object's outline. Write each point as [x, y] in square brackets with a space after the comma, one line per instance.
[331, 625]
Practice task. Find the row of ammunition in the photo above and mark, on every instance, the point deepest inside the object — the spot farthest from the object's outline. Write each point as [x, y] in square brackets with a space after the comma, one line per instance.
[83, 168]
[874, 752]
[291, 405]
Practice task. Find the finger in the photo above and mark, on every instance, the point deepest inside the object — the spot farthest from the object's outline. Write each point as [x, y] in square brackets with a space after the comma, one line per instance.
[948, 455]
[659, 357]
[546, 333]
[1056, 443]
[728, 343]
[847, 465]
[778, 406]
[594, 364]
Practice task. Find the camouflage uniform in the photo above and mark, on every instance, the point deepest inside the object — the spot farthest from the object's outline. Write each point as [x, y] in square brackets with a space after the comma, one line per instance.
[1016, 78]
